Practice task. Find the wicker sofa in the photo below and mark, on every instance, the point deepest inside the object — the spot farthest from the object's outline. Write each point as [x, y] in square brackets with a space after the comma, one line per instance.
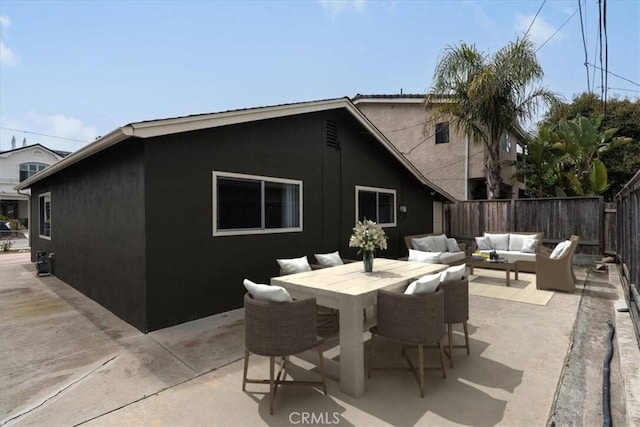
[508, 245]
[446, 256]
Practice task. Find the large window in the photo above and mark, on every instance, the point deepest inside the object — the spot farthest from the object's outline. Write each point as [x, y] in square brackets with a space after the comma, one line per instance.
[44, 214]
[376, 204]
[29, 169]
[442, 133]
[248, 204]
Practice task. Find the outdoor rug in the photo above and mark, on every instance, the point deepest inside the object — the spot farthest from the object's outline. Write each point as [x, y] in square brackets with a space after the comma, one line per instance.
[492, 284]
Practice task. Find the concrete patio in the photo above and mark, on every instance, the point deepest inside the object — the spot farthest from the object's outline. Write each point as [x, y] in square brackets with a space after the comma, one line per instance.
[65, 360]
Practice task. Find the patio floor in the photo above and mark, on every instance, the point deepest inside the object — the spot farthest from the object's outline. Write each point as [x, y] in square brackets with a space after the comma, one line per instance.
[65, 360]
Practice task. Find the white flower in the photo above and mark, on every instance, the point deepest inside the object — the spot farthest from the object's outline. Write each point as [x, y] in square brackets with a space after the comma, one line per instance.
[368, 236]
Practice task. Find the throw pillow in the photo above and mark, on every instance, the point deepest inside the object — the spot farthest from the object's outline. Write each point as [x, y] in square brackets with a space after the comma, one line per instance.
[560, 249]
[516, 240]
[331, 259]
[529, 246]
[452, 245]
[266, 293]
[454, 273]
[294, 265]
[483, 243]
[424, 244]
[498, 242]
[426, 257]
[424, 285]
[440, 243]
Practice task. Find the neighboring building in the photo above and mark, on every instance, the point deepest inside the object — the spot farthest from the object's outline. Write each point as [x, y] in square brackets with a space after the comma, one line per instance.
[443, 155]
[16, 165]
[160, 221]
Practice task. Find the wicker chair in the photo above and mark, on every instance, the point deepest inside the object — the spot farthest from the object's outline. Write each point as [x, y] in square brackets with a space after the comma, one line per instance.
[557, 273]
[413, 320]
[456, 310]
[279, 330]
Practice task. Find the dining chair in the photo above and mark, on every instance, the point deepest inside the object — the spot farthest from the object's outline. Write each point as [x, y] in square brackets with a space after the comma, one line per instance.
[456, 310]
[280, 330]
[413, 320]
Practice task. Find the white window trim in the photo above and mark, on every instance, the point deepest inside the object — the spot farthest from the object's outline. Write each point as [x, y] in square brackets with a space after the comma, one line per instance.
[240, 232]
[40, 213]
[378, 190]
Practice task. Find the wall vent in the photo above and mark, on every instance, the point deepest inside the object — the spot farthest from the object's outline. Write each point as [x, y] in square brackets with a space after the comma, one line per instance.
[331, 134]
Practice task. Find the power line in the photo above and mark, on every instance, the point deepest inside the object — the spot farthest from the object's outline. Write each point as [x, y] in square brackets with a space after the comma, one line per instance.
[584, 43]
[534, 19]
[614, 74]
[43, 134]
[556, 32]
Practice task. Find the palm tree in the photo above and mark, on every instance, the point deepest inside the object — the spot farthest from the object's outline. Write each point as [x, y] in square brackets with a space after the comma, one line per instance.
[488, 96]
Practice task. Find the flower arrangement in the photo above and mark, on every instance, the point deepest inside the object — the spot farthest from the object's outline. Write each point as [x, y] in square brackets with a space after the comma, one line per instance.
[367, 237]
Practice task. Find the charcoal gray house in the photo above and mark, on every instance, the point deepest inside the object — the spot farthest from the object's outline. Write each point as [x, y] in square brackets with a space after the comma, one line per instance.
[159, 221]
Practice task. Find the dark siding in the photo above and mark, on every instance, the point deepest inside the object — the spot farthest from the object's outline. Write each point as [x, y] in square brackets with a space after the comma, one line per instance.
[191, 274]
[98, 229]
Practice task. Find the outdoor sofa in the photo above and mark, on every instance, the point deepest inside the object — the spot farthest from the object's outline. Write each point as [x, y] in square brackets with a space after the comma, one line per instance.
[451, 253]
[513, 246]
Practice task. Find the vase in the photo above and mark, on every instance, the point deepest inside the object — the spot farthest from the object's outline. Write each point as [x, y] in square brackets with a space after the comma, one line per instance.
[367, 259]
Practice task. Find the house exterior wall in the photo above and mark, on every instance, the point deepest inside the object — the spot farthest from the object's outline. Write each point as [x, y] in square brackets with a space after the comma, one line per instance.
[10, 162]
[403, 123]
[191, 273]
[98, 229]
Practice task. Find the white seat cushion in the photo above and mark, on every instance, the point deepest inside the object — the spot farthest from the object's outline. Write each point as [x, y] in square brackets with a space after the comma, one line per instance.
[266, 292]
[454, 273]
[449, 257]
[513, 256]
[424, 285]
[426, 257]
[331, 259]
[294, 265]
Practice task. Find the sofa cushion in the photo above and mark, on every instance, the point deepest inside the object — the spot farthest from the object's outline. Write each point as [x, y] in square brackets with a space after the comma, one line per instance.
[452, 245]
[426, 257]
[424, 244]
[294, 265]
[449, 257]
[424, 285]
[516, 240]
[266, 292]
[513, 256]
[483, 243]
[330, 260]
[560, 249]
[529, 246]
[498, 241]
[455, 273]
[440, 242]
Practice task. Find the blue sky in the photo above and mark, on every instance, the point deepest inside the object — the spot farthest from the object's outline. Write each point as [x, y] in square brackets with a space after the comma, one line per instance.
[79, 69]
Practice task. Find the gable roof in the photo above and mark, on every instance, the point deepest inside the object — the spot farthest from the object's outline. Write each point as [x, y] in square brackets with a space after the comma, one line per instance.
[153, 128]
[27, 147]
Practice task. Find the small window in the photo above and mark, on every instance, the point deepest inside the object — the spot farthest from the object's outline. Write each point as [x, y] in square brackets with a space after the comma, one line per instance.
[248, 204]
[376, 204]
[44, 213]
[27, 170]
[442, 132]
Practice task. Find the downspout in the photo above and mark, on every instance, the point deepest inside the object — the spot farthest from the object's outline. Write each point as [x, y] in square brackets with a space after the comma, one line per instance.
[466, 167]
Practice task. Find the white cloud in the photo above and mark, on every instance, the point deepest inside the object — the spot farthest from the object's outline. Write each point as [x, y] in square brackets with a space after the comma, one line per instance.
[7, 57]
[540, 30]
[336, 7]
[71, 132]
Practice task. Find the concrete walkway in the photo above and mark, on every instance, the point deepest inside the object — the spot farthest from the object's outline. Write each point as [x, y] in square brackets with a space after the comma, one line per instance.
[65, 360]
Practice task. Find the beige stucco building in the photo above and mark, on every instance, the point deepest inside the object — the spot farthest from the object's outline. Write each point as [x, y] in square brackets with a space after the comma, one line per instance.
[444, 156]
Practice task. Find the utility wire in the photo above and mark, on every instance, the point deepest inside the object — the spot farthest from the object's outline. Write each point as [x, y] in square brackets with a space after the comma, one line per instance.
[584, 43]
[43, 134]
[534, 19]
[614, 74]
[556, 32]
[606, 56]
[600, 38]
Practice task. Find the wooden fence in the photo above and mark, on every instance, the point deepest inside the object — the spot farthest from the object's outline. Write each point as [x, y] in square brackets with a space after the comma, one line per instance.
[556, 218]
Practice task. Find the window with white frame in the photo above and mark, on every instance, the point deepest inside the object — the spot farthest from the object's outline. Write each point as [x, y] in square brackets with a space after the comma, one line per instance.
[376, 204]
[27, 170]
[250, 204]
[44, 215]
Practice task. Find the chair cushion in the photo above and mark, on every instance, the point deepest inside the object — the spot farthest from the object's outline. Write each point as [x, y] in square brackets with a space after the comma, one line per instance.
[483, 243]
[266, 292]
[449, 257]
[424, 244]
[498, 241]
[440, 243]
[294, 265]
[529, 245]
[560, 249]
[424, 285]
[331, 259]
[452, 245]
[516, 240]
[454, 273]
[426, 257]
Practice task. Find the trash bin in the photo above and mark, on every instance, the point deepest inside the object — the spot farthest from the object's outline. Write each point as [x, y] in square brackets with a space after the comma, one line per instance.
[42, 264]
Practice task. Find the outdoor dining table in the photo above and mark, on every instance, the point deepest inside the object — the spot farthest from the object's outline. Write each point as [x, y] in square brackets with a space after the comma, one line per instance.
[349, 289]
